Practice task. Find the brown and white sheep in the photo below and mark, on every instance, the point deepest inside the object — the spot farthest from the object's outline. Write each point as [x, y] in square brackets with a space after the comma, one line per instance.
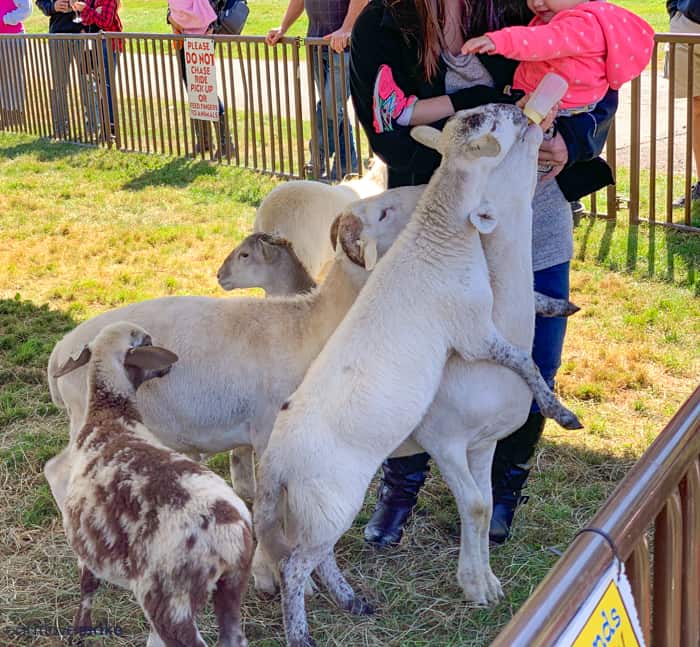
[144, 517]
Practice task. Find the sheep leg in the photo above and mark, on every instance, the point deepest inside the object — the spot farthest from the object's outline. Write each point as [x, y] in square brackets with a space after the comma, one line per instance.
[266, 577]
[499, 350]
[172, 620]
[88, 585]
[450, 454]
[547, 306]
[227, 606]
[339, 588]
[294, 571]
[242, 467]
[480, 459]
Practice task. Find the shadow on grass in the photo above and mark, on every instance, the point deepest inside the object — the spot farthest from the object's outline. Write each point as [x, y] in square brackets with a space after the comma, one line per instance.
[670, 255]
[176, 173]
[27, 335]
[45, 150]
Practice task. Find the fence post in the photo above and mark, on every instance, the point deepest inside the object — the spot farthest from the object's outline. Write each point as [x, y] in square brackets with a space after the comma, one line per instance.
[635, 142]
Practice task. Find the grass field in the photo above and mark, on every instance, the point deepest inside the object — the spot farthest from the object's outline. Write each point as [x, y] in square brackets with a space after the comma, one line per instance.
[83, 230]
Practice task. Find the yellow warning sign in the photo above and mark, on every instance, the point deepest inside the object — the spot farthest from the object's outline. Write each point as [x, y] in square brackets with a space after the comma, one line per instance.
[609, 625]
[608, 617]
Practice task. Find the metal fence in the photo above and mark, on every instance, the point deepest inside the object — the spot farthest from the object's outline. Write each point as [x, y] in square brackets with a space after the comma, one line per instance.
[279, 111]
[660, 495]
[73, 88]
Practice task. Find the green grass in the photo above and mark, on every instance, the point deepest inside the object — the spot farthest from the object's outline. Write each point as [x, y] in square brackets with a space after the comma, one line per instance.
[84, 230]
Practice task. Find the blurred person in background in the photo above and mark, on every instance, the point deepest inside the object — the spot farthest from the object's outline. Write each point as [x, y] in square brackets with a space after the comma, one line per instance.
[12, 88]
[685, 19]
[333, 21]
[102, 15]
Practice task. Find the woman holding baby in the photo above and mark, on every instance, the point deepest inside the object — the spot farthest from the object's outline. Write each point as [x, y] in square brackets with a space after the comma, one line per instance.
[420, 61]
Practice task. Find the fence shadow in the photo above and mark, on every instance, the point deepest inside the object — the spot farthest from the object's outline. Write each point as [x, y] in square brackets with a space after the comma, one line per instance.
[670, 255]
[45, 150]
[177, 173]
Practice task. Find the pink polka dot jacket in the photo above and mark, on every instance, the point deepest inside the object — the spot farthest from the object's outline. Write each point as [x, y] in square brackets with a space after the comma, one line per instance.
[594, 46]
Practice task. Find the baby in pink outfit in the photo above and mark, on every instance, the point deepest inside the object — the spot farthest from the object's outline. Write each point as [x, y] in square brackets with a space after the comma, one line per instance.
[191, 16]
[595, 46]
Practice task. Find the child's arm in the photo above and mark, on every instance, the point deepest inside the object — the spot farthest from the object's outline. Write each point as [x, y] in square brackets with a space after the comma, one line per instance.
[577, 34]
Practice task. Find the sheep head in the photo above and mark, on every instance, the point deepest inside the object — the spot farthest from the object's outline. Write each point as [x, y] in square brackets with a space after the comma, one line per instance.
[123, 357]
[370, 226]
[242, 268]
[485, 133]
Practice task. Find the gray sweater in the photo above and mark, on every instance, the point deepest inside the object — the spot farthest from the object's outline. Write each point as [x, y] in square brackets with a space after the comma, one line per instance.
[552, 223]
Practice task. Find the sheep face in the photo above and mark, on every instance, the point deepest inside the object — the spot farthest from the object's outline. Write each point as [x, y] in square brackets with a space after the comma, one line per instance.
[369, 227]
[123, 357]
[251, 262]
[485, 133]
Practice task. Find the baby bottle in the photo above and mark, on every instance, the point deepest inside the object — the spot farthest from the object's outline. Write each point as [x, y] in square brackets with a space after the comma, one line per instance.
[549, 91]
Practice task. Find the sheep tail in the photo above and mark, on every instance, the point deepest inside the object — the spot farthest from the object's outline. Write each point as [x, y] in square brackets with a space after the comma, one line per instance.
[270, 517]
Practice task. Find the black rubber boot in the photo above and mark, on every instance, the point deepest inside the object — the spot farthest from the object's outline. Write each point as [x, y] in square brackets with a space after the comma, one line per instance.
[396, 497]
[511, 467]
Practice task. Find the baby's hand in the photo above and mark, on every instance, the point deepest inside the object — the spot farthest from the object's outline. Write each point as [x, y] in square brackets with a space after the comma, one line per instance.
[478, 45]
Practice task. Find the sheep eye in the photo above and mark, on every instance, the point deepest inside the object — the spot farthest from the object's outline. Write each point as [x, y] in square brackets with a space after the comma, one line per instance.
[244, 254]
[385, 213]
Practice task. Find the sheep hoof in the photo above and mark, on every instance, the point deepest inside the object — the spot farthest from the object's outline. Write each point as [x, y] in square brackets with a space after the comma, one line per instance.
[306, 641]
[358, 607]
[567, 419]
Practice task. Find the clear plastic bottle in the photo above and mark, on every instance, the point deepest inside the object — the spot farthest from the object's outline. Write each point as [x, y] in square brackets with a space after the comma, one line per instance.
[548, 93]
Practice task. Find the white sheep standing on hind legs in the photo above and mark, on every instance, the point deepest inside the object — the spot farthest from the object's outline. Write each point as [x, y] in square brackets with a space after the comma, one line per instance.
[144, 517]
[378, 374]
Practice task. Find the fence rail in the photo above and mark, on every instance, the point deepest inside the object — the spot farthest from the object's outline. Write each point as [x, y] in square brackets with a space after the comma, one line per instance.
[660, 494]
[279, 110]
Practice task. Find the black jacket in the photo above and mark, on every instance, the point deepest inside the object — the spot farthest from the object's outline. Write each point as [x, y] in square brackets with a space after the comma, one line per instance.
[376, 39]
[61, 23]
[689, 8]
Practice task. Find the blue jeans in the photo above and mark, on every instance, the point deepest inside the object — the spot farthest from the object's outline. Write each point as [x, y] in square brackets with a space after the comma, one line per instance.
[108, 83]
[331, 77]
[550, 331]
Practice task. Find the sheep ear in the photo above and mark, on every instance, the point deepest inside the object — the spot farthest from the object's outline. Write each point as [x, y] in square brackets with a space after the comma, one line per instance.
[369, 249]
[334, 232]
[71, 364]
[153, 358]
[485, 146]
[428, 136]
[268, 249]
[483, 221]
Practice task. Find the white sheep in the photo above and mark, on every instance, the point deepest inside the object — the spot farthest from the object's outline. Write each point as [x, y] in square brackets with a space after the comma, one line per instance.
[239, 358]
[144, 517]
[378, 374]
[301, 211]
[265, 261]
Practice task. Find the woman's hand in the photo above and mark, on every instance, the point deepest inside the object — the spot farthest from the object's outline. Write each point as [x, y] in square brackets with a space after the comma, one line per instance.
[478, 45]
[339, 40]
[78, 6]
[274, 35]
[553, 152]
